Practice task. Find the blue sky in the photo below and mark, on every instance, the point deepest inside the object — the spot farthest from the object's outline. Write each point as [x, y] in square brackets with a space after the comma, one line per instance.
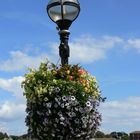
[105, 40]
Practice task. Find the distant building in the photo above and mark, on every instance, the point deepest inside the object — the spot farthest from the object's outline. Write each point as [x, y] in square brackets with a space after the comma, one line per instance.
[135, 135]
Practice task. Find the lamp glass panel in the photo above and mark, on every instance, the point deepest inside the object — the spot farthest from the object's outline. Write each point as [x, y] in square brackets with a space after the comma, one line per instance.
[70, 12]
[53, 1]
[55, 13]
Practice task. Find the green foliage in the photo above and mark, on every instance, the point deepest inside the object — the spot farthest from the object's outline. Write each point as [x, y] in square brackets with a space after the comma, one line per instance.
[99, 134]
[3, 135]
[15, 137]
[122, 135]
[71, 80]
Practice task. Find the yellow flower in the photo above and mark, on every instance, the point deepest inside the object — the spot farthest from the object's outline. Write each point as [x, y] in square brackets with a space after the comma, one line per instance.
[68, 72]
[94, 79]
[45, 99]
[96, 94]
[87, 85]
[87, 90]
[54, 72]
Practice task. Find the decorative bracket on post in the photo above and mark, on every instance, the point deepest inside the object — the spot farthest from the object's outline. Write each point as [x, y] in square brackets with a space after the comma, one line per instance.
[64, 50]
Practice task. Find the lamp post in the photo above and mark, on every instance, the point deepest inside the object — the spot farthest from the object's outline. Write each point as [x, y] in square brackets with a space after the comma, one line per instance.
[63, 13]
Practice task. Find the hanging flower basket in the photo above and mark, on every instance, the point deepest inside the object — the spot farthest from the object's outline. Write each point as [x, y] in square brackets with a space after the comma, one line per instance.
[62, 103]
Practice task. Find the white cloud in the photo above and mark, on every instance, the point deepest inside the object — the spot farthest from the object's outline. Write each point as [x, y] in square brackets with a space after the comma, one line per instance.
[20, 60]
[85, 49]
[12, 118]
[3, 127]
[13, 85]
[11, 111]
[88, 49]
[121, 115]
[134, 43]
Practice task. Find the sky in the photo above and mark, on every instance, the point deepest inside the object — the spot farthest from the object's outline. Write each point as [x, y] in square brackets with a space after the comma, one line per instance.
[105, 40]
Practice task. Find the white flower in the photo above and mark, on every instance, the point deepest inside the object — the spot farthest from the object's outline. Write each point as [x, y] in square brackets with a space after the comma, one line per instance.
[64, 98]
[48, 105]
[88, 104]
[83, 119]
[60, 114]
[72, 98]
[62, 105]
[67, 104]
[70, 114]
[73, 114]
[62, 118]
[76, 121]
[57, 89]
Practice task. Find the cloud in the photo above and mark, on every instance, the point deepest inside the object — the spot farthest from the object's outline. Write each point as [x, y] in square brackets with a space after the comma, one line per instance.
[85, 49]
[13, 112]
[10, 111]
[88, 49]
[12, 118]
[121, 115]
[134, 43]
[13, 86]
[3, 127]
[20, 61]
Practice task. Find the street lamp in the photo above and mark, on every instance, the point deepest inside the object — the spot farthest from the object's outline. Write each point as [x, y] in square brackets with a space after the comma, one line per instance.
[63, 13]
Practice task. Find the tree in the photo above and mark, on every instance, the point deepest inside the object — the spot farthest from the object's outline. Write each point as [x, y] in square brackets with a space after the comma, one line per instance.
[125, 136]
[118, 135]
[14, 137]
[3, 135]
[99, 134]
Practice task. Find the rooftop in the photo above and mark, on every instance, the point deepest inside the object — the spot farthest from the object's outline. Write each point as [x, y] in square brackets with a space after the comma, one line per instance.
[135, 132]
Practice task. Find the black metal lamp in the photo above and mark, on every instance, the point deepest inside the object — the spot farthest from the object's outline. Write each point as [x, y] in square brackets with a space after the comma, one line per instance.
[63, 13]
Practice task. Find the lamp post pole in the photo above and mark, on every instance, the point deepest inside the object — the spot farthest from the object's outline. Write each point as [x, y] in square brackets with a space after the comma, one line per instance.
[63, 13]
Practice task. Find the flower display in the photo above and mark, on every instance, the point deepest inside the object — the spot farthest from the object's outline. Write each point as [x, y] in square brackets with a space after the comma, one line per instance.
[62, 103]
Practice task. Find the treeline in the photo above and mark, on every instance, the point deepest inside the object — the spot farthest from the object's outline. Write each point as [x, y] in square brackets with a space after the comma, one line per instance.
[99, 134]
[117, 135]
[5, 136]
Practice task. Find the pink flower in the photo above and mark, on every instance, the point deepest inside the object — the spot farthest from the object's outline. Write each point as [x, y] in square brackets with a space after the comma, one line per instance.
[81, 71]
[70, 78]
